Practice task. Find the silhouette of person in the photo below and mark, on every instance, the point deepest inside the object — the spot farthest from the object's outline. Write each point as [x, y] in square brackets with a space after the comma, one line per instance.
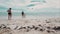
[9, 14]
[23, 14]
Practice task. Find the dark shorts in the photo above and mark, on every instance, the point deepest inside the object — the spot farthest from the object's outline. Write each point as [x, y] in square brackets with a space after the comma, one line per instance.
[9, 14]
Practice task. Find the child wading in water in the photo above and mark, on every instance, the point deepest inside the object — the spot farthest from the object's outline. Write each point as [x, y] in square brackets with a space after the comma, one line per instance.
[23, 14]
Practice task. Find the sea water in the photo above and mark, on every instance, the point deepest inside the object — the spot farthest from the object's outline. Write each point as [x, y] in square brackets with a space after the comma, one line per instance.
[17, 13]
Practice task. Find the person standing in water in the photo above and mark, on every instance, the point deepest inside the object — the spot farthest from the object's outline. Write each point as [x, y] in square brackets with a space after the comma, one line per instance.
[23, 14]
[9, 14]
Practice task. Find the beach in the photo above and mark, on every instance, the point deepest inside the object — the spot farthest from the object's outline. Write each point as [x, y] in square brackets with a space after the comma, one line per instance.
[29, 16]
[30, 25]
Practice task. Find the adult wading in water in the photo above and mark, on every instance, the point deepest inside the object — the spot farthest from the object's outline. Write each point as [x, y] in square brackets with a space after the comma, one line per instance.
[9, 14]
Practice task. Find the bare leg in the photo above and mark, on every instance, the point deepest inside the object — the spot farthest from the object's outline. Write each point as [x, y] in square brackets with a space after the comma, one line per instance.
[9, 17]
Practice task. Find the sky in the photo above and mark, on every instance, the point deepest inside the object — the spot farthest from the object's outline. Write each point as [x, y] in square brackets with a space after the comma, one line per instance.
[31, 5]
